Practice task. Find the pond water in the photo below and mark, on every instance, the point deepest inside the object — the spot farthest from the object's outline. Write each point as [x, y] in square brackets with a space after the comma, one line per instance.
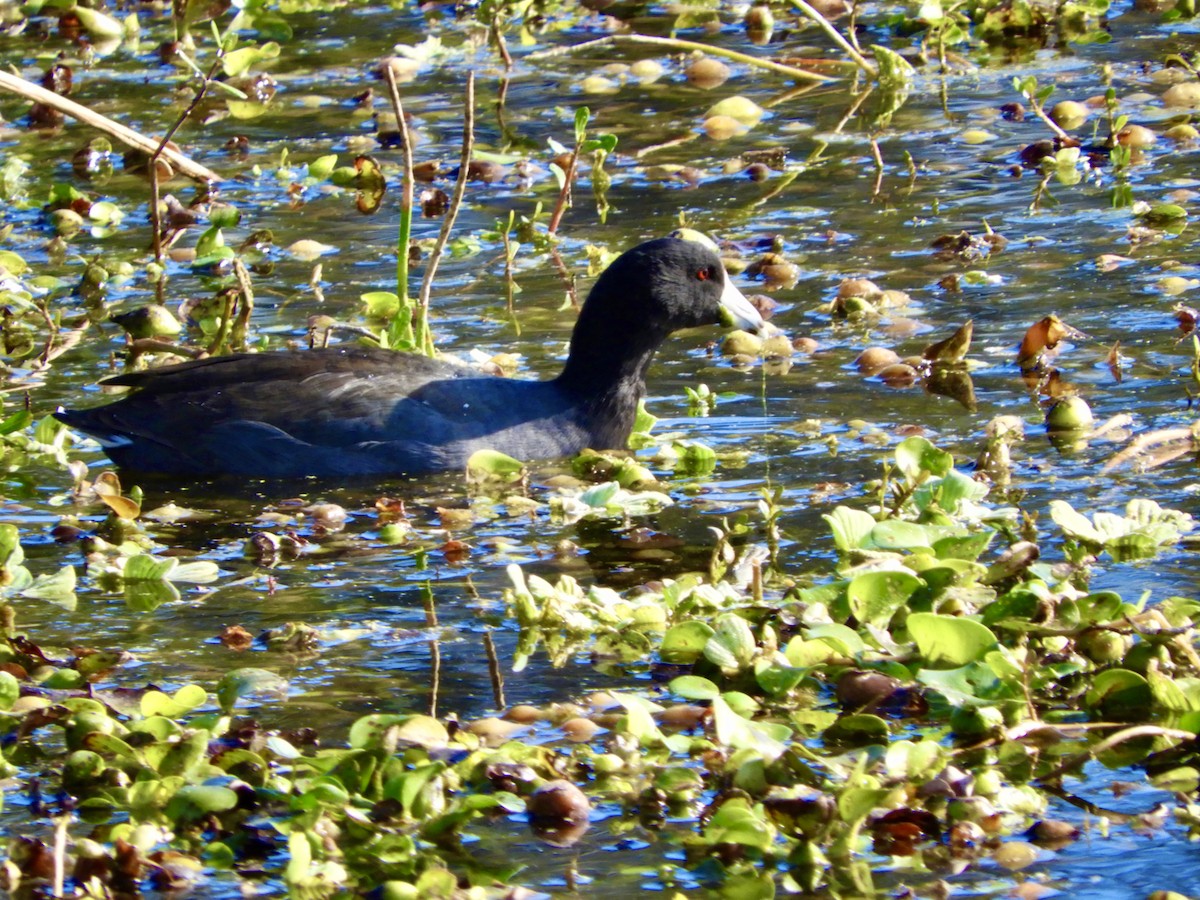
[817, 431]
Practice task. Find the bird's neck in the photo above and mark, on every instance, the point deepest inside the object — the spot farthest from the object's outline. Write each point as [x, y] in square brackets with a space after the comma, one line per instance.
[607, 371]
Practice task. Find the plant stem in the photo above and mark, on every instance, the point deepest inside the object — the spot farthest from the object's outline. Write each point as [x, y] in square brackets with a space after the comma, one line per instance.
[687, 46]
[424, 336]
[836, 36]
[406, 206]
[564, 195]
[152, 169]
[17, 85]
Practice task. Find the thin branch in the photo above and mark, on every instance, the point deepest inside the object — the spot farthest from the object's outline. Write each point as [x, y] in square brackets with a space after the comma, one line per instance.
[1113, 740]
[30, 91]
[435, 649]
[241, 325]
[564, 195]
[877, 155]
[406, 193]
[494, 670]
[836, 36]
[460, 189]
[152, 168]
[684, 47]
[153, 345]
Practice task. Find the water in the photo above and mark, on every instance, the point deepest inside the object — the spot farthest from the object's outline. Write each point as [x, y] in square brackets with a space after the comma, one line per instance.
[367, 598]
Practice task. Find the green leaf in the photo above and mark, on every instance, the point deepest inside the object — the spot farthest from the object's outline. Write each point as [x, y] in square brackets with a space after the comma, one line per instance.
[855, 804]
[246, 682]
[13, 262]
[917, 458]
[950, 640]
[321, 167]
[147, 596]
[11, 554]
[1170, 694]
[199, 571]
[913, 761]
[371, 732]
[238, 62]
[184, 700]
[10, 690]
[18, 421]
[741, 733]
[841, 638]
[58, 588]
[99, 24]
[777, 679]
[380, 304]
[145, 567]
[875, 596]
[493, 466]
[684, 643]
[1114, 690]
[693, 687]
[732, 647]
[850, 527]
[196, 801]
[581, 121]
[639, 719]
[860, 729]
[896, 534]
[737, 823]
[299, 857]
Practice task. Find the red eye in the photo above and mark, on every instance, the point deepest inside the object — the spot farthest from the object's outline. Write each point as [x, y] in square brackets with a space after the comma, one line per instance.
[704, 274]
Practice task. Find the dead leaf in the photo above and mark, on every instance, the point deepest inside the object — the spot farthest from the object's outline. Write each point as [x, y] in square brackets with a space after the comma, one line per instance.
[1044, 335]
[954, 348]
[235, 637]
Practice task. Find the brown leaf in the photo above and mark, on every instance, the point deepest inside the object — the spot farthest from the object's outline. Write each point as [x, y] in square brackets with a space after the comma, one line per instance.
[1043, 335]
[434, 203]
[1114, 361]
[1106, 262]
[456, 551]
[954, 348]
[235, 637]
[1186, 316]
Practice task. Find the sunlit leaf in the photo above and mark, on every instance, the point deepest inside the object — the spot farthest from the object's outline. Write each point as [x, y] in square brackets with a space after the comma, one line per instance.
[950, 640]
[247, 682]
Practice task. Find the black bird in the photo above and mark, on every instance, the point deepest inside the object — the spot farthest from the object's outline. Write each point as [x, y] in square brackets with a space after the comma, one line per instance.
[360, 411]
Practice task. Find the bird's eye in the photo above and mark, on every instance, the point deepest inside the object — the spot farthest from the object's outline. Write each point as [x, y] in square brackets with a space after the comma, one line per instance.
[705, 274]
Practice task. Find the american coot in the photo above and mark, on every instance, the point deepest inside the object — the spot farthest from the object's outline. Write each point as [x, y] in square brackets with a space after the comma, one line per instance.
[354, 411]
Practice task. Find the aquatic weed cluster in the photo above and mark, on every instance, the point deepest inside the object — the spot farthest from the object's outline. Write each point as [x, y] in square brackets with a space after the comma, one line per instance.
[929, 700]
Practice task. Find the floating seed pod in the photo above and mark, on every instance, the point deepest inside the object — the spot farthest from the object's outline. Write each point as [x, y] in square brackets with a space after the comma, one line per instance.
[1069, 414]
[1186, 94]
[558, 801]
[1136, 137]
[741, 343]
[1069, 114]
[149, 322]
[579, 729]
[739, 108]
[523, 714]
[722, 128]
[898, 375]
[805, 345]
[646, 71]
[777, 346]
[707, 73]
[1182, 132]
[1102, 646]
[874, 359]
[682, 717]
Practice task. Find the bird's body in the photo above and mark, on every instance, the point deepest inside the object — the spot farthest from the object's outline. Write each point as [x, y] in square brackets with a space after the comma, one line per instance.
[363, 411]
